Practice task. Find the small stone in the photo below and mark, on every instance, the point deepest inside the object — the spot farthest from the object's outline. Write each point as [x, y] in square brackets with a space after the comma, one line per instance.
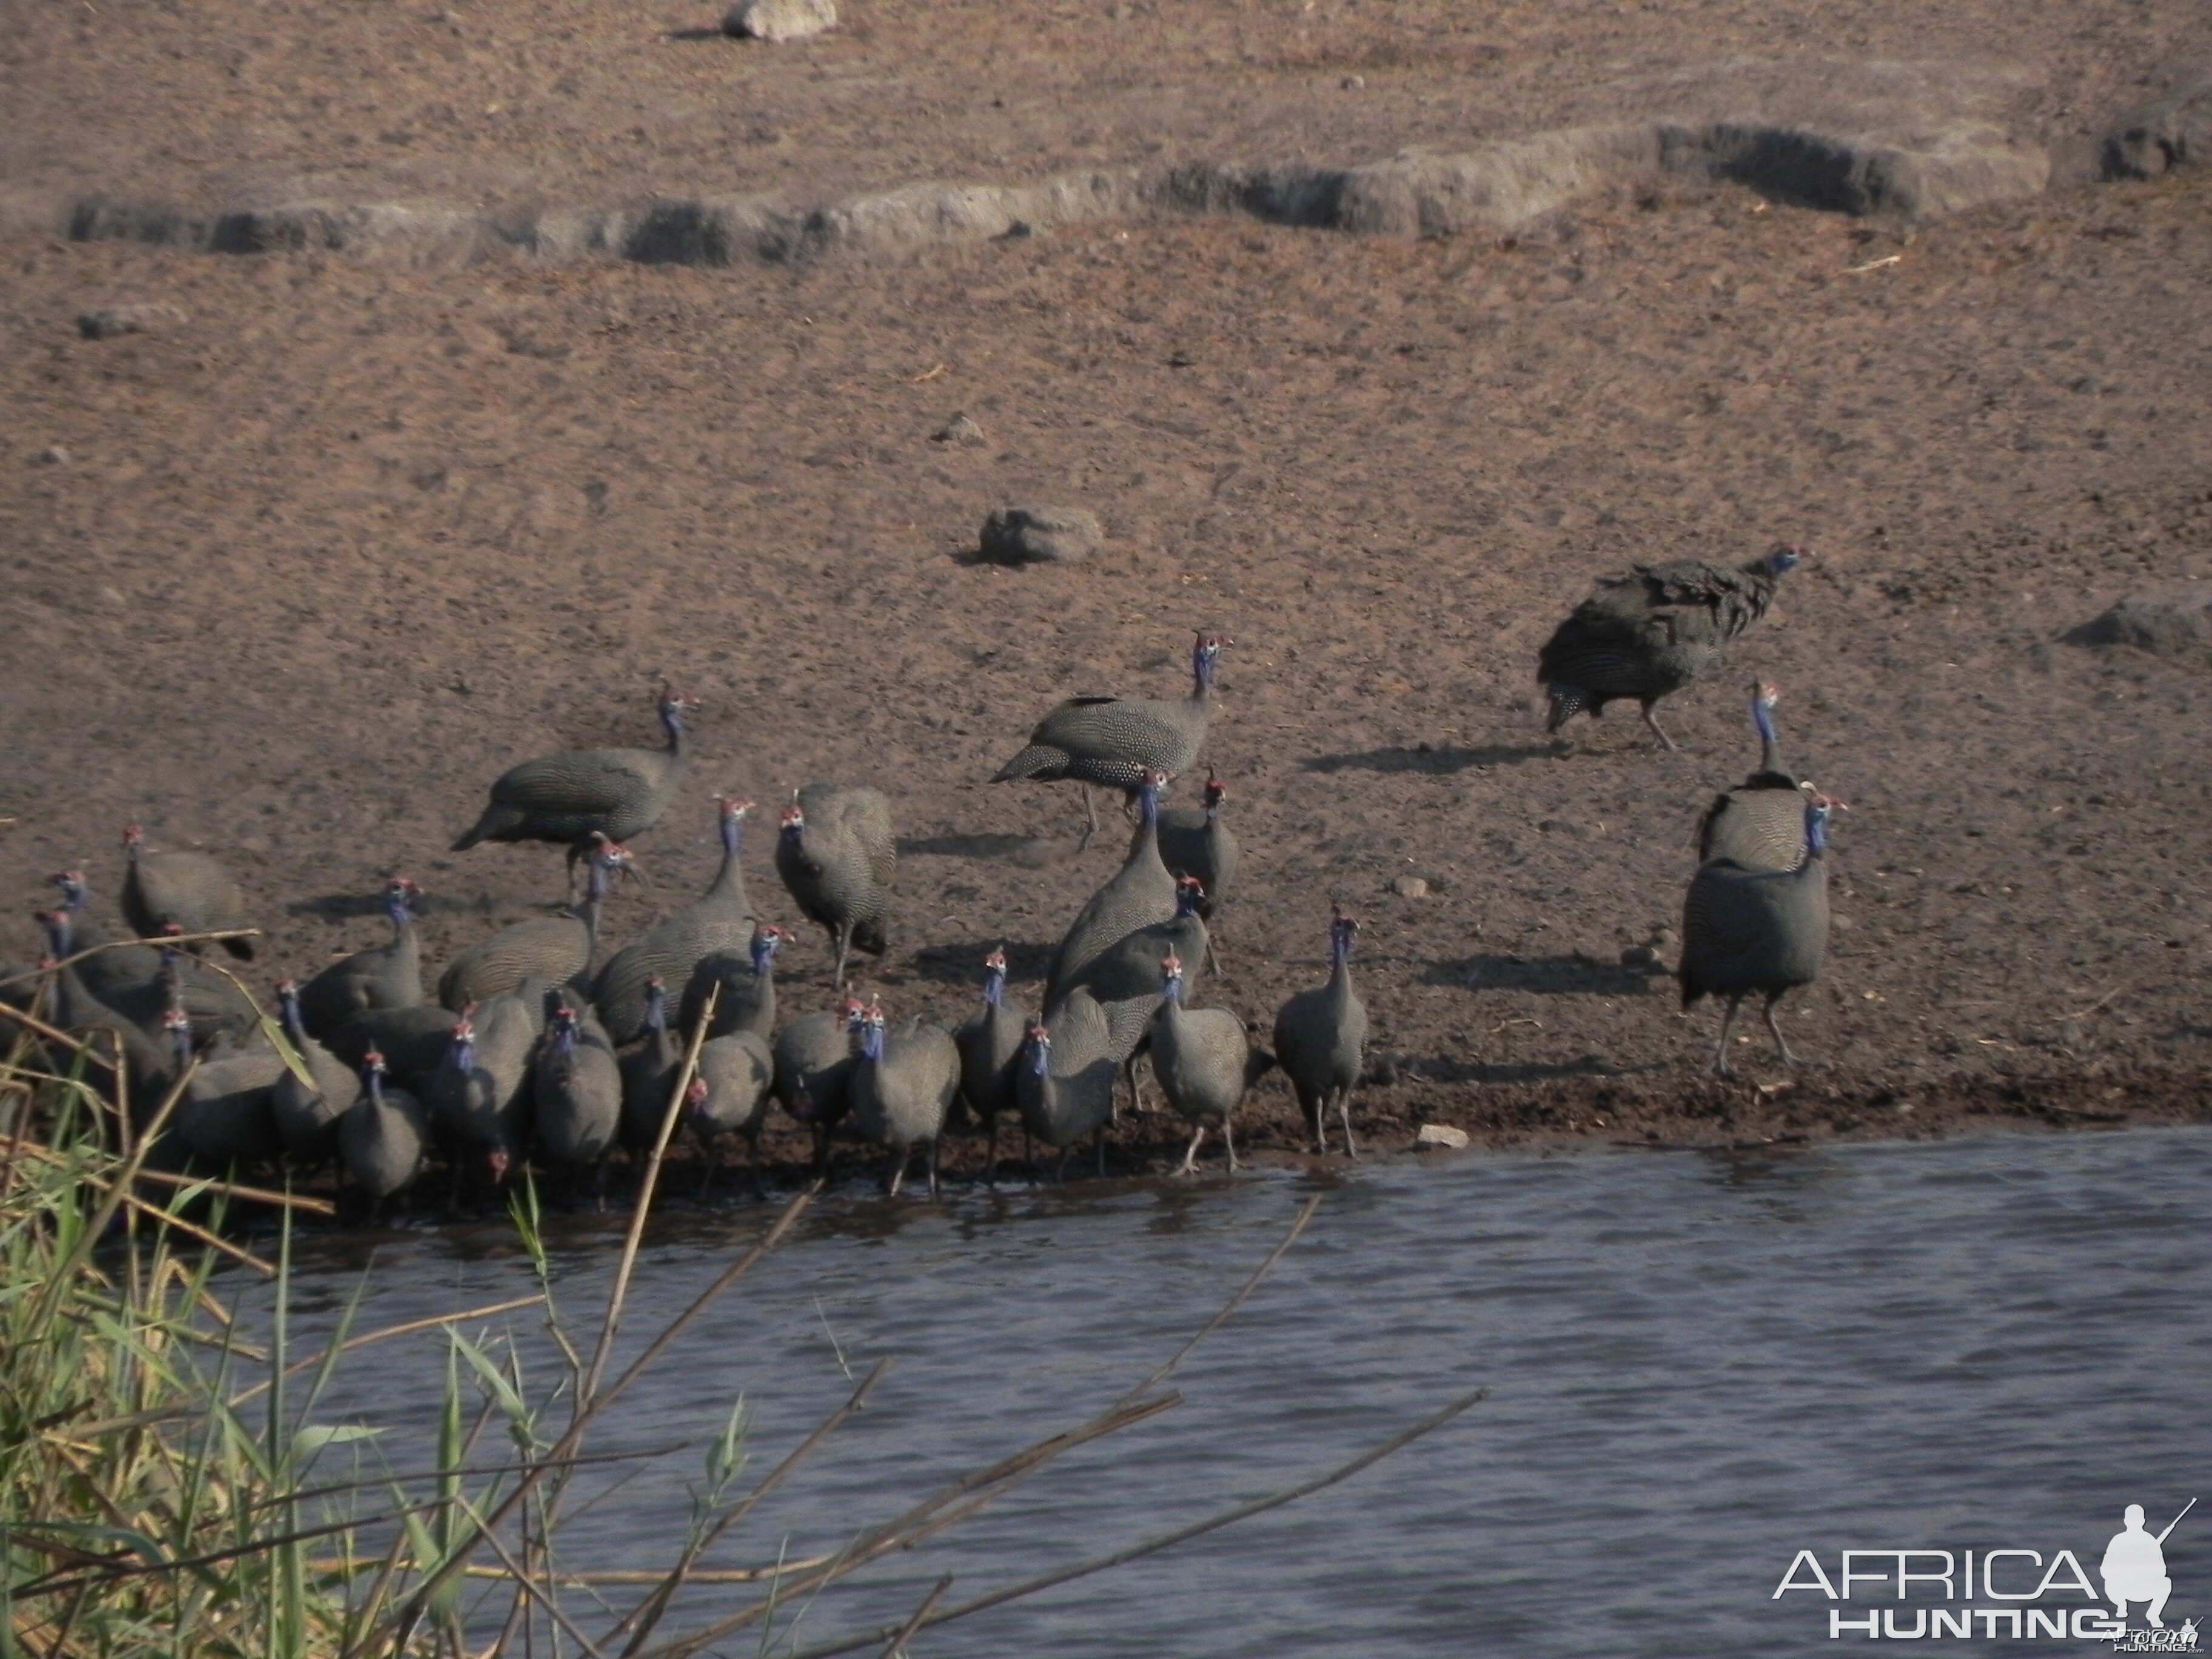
[780, 20]
[53, 455]
[1440, 1134]
[1039, 535]
[958, 430]
[109, 321]
[1412, 887]
[1353, 82]
[1639, 955]
[110, 596]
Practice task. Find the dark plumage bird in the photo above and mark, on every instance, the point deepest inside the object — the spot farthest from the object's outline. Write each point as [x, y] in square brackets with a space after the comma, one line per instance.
[190, 889]
[1650, 632]
[387, 976]
[575, 1091]
[1141, 892]
[1757, 930]
[1760, 824]
[224, 1121]
[569, 797]
[903, 1084]
[836, 852]
[1204, 1063]
[814, 1056]
[306, 1110]
[990, 1041]
[1320, 1039]
[1115, 741]
[730, 1096]
[1124, 979]
[413, 1041]
[384, 1135]
[1064, 1086]
[478, 1100]
[137, 1013]
[648, 1073]
[748, 1000]
[722, 919]
[557, 949]
[123, 972]
[1197, 842]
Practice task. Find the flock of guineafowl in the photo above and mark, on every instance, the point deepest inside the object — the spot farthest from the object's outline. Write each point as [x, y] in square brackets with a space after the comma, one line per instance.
[534, 1047]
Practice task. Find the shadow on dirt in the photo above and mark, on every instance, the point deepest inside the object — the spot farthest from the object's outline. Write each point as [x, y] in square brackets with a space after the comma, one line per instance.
[1421, 758]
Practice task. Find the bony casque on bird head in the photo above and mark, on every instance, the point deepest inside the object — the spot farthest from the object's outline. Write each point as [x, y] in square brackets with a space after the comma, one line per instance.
[1171, 976]
[995, 975]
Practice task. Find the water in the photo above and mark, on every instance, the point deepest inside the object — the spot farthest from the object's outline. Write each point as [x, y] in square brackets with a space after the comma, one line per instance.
[1700, 1363]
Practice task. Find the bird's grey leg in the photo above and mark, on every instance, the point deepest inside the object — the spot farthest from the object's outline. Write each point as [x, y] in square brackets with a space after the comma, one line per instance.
[1727, 1019]
[1344, 1116]
[1190, 1153]
[991, 1152]
[1651, 720]
[1028, 1154]
[900, 1159]
[1230, 1141]
[1137, 1106]
[1313, 1119]
[1788, 1058]
[844, 943]
[932, 1166]
[1212, 955]
[1100, 1139]
[1062, 1174]
[706, 1170]
[752, 1144]
[1090, 818]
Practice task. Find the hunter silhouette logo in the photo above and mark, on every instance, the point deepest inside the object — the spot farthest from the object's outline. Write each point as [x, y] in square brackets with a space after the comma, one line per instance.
[2003, 1594]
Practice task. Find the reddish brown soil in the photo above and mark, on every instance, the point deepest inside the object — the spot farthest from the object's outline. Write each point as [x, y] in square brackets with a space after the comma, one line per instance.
[323, 558]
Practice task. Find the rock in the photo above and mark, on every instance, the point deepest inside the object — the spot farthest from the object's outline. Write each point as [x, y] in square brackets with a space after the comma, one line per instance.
[108, 321]
[1639, 955]
[958, 430]
[780, 20]
[1440, 1134]
[1412, 887]
[2175, 132]
[1040, 535]
[53, 455]
[2167, 622]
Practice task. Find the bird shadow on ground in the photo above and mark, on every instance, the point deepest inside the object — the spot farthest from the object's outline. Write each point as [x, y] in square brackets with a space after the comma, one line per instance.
[1551, 977]
[695, 34]
[963, 963]
[1029, 852]
[348, 907]
[1422, 757]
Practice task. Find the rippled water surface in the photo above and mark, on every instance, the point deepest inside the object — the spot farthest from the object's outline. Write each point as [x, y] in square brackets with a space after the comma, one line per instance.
[1699, 1364]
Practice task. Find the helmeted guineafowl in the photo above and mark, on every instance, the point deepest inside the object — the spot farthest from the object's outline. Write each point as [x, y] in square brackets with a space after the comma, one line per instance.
[1115, 741]
[387, 976]
[224, 1121]
[306, 1113]
[190, 889]
[747, 1002]
[124, 971]
[575, 1092]
[1320, 1040]
[722, 919]
[648, 1073]
[1759, 823]
[1757, 930]
[557, 949]
[478, 1100]
[902, 1083]
[1198, 841]
[567, 797]
[1649, 632]
[1205, 1062]
[730, 1096]
[1124, 979]
[1141, 892]
[990, 1042]
[836, 852]
[814, 1056]
[1065, 1081]
[383, 1137]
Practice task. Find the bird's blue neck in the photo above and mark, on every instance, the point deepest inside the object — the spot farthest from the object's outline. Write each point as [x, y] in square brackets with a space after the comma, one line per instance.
[1148, 804]
[730, 823]
[1201, 669]
[57, 934]
[872, 1041]
[656, 1010]
[1816, 829]
[1340, 947]
[395, 906]
[463, 1054]
[1763, 719]
[764, 958]
[1171, 989]
[672, 722]
[564, 1038]
[1040, 1058]
[371, 1078]
[288, 1011]
[994, 987]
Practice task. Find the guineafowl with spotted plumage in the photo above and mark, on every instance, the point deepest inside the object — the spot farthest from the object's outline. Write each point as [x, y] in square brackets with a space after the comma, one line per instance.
[837, 854]
[1115, 741]
[1065, 1082]
[1757, 930]
[569, 797]
[990, 1041]
[557, 950]
[191, 890]
[722, 919]
[1759, 823]
[902, 1083]
[1320, 1040]
[1140, 893]
[1204, 1063]
[1649, 632]
[1196, 840]
[814, 1056]
[387, 976]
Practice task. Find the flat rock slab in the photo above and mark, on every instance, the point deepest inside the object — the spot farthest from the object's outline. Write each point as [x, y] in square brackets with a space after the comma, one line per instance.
[1039, 535]
[780, 19]
[2169, 621]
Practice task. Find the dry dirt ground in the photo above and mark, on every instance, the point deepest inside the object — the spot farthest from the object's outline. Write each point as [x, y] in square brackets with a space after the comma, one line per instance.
[295, 577]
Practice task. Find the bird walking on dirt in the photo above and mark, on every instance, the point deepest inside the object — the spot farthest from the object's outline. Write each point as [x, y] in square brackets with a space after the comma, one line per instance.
[1115, 741]
[386, 976]
[566, 796]
[1141, 892]
[190, 889]
[1204, 1063]
[1757, 930]
[1649, 632]
[1320, 1039]
[837, 854]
